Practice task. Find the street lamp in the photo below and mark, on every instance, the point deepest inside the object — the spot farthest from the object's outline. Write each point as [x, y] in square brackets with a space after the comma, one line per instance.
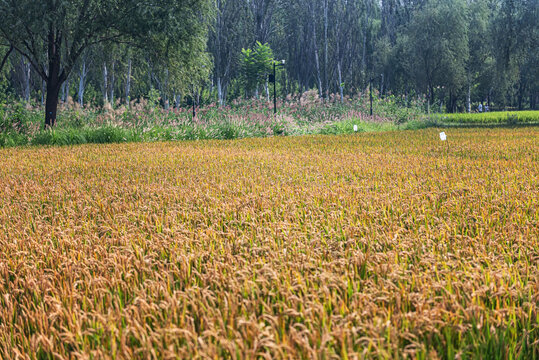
[274, 79]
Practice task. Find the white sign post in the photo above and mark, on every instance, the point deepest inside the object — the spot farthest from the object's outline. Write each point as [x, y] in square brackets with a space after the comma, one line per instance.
[443, 136]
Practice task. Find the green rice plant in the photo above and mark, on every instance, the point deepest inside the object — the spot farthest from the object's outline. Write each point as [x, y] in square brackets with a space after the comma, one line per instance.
[490, 118]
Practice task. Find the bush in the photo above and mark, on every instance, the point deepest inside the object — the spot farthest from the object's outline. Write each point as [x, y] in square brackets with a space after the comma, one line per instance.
[16, 119]
[12, 139]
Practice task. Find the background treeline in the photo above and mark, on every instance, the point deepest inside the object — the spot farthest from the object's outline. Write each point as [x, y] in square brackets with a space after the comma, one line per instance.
[453, 53]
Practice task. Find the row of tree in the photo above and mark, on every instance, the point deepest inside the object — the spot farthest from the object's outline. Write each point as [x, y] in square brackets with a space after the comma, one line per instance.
[56, 41]
[453, 52]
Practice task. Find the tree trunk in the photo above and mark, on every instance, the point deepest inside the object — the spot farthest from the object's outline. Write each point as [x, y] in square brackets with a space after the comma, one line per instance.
[25, 79]
[105, 84]
[520, 97]
[51, 105]
[469, 97]
[165, 91]
[316, 57]
[364, 48]
[428, 99]
[65, 91]
[63, 97]
[54, 80]
[178, 98]
[128, 83]
[112, 83]
[326, 25]
[220, 91]
[432, 98]
[6, 56]
[43, 87]
[341, 88]
[82, 82]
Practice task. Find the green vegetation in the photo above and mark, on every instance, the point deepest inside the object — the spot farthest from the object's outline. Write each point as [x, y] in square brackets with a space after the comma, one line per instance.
[449, 55]
[490, 118]
[56, 37]
[143, 121]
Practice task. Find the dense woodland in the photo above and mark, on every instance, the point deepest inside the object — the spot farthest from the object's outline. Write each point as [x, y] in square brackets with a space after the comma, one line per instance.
[453, 53]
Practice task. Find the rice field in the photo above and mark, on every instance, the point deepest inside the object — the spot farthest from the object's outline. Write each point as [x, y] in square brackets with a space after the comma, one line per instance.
[491, 118]
[378, 245]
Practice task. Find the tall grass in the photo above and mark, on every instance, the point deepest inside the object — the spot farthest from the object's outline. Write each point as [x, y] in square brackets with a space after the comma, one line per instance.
[143, 121]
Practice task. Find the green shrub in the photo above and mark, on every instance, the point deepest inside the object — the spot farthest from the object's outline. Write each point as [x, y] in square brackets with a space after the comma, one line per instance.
[16, 119]
[12, 139]
[107, 134]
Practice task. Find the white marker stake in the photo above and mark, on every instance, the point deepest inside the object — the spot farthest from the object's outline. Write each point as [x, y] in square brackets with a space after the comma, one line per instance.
[355, 128]
[443, 136]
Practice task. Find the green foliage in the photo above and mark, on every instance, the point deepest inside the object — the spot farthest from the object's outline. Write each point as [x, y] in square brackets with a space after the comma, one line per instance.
[256, 65]
[491, 118]
[57, 33]
[145, 121]
[73, 136]
[435, 44]
[153, 98]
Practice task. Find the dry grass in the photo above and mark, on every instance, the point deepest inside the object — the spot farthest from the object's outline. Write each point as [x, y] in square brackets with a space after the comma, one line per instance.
[384, 245]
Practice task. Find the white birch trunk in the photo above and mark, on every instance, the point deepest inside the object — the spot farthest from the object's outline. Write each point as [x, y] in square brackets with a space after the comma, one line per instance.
[341, 87]
[25, 83]
[364, 49]
[112, 83]
[66, 85]
[105, 84]
[220, 92]
[63, 97]
[82, 82]
[165, 91]
[316, 57]
[128, 84]
[469, 97]
[326, 24]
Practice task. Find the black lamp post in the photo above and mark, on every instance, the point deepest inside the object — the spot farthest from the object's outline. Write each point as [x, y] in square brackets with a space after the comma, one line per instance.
[274, 79]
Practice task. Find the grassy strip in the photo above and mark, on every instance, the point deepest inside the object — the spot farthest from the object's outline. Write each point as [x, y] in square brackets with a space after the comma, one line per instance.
[499, 117]
[225, 131]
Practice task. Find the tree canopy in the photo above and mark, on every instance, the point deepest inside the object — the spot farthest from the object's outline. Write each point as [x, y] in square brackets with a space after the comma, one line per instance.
[455, 53]
[53, 35]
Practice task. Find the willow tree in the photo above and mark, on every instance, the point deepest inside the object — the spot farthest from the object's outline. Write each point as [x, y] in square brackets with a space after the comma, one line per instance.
[54, 34]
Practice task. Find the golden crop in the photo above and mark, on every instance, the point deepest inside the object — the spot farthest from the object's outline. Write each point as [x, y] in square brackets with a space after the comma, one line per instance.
[385, 245]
